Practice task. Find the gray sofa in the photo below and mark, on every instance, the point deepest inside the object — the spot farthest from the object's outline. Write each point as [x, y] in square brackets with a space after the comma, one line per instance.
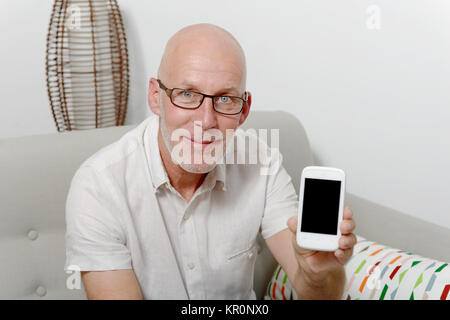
[36, 172]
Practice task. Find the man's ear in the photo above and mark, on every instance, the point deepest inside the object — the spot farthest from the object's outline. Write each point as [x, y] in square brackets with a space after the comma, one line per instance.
[246, 109]
[153, 96]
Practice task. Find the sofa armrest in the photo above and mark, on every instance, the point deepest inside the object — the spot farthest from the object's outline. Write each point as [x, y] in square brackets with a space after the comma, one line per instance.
[397, 229]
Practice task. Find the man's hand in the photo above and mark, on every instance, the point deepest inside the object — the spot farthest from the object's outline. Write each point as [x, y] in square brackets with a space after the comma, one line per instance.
[317, 266]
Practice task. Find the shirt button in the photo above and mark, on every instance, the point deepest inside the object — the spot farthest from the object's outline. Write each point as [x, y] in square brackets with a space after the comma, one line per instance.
[250, 255]
[186, 216]
[191, 266]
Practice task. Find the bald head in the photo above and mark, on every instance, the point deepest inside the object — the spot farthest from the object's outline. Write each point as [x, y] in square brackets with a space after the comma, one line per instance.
[202, 46]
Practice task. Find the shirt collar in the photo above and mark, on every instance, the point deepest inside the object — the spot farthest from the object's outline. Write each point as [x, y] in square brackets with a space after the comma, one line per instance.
[158, 172]
[217, 174]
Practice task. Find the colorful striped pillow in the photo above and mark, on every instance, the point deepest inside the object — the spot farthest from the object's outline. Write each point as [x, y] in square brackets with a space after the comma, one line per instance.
[379, 272]
[279, 287]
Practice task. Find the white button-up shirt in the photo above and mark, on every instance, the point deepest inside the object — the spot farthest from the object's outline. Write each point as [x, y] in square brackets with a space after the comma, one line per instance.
[123, 213]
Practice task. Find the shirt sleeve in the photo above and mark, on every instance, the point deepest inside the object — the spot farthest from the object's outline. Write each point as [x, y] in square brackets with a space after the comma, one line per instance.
[281, 201]
[95, 239]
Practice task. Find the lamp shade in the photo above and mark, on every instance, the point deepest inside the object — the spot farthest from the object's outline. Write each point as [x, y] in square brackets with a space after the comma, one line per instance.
[87, 64]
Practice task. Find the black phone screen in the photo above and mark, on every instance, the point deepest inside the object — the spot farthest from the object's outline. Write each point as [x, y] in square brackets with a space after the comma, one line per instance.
[320, 211]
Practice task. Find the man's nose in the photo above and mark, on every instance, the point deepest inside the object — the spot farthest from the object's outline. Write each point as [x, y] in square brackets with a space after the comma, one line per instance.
[206, 113]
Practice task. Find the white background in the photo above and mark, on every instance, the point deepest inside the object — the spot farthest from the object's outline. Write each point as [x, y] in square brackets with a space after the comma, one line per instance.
[375, 103]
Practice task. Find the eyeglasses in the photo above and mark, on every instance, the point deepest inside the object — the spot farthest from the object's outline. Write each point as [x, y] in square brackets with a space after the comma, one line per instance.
[188, 99]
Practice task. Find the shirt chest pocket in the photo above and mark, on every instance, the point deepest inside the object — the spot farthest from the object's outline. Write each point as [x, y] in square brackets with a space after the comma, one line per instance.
[237, 268]
[245, 253]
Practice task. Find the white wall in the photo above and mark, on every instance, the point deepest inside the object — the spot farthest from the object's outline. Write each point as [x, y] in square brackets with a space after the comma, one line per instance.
[373, 102]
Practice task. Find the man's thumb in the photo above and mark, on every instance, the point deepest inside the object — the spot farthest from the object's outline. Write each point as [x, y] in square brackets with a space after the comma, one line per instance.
[292, 224]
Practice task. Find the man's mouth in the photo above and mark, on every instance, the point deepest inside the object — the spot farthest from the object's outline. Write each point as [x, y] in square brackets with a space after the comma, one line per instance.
[202, 142]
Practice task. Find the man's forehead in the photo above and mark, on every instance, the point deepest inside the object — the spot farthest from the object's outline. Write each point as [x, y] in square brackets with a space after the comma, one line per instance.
[204, 73]
[195, 84]
[206, 56]
[190, 83]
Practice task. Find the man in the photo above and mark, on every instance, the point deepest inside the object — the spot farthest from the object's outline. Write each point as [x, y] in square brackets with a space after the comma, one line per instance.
[141, 224]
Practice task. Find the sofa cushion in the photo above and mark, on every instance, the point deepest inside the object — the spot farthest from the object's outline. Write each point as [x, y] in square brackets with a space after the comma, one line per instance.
[379, 272]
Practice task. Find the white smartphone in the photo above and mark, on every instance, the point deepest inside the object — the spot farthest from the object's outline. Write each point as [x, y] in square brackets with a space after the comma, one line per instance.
[321, 208]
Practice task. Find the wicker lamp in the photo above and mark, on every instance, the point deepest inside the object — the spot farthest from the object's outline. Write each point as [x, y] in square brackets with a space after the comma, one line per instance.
[87, 65]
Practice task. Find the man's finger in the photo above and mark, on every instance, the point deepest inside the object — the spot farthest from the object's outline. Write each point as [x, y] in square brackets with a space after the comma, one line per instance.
[292, 224]
[347, 241]
[343, 255]
[347, 226]
[348, 214]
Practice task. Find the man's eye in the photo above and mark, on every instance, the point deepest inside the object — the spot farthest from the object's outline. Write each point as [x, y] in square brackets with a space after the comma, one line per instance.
[224, 99]
[187, 94]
